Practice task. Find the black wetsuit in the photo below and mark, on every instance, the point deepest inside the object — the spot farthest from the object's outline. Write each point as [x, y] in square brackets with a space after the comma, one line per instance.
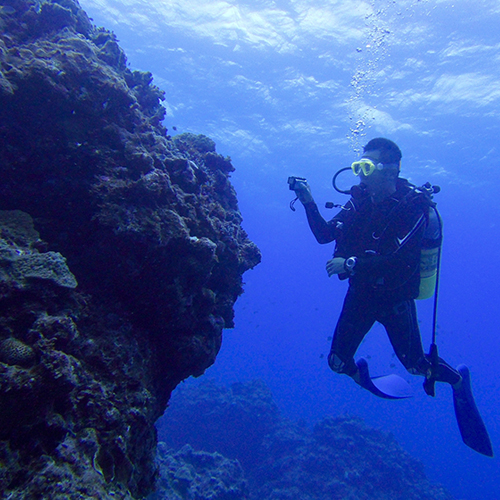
[386, 238]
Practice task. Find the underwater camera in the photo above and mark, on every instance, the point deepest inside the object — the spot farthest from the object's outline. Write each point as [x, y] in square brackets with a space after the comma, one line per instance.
[292, 181]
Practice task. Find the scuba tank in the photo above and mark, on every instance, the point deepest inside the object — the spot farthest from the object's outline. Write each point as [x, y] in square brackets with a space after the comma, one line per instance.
[430, 254]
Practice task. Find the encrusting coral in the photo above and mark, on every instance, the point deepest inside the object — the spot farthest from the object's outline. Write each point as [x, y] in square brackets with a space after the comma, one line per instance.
[15, 352]
[125, 284]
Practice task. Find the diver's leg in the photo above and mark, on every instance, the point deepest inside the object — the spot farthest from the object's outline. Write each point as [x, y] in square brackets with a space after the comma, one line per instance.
[401, 324]
[354, 323]
[402, 327]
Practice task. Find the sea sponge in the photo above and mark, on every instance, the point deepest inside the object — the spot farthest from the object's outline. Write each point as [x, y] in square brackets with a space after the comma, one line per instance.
[15, 352]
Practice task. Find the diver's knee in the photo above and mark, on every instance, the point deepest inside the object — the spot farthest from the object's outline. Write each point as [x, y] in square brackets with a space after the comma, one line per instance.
[335, 363]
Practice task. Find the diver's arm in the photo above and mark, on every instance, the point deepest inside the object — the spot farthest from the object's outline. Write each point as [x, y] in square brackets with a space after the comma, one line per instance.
[388, 271]
[323, 231]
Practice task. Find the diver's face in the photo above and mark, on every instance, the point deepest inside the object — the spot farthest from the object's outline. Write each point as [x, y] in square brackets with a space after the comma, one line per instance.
[380, 182]
[376, 177]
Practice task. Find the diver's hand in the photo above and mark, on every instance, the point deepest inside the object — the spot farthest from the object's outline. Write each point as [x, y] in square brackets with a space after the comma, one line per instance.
[335, 266]
[303, 191]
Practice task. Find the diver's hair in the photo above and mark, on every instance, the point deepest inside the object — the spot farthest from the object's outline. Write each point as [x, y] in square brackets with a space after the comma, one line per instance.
[389, 151]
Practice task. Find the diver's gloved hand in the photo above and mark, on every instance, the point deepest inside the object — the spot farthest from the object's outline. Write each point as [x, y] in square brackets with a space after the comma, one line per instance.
[335, 266]
[303, 191]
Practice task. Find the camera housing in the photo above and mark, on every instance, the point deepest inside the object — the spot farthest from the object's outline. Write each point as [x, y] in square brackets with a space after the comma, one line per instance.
[292, 181]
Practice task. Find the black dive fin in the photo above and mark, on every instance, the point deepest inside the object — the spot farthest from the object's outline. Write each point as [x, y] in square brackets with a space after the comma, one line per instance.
[387, 387]
[470, 423]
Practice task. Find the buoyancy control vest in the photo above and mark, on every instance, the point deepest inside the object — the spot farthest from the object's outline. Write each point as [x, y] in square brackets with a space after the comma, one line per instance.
[433, 236]
[432, 239]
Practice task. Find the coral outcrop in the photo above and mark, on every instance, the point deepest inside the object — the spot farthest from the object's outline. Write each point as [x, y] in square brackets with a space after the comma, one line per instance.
[121, 256]
[21, 262]
[197, 475]
[339, 458]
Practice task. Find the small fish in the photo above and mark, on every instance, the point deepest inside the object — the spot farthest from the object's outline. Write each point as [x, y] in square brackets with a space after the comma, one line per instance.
[6, 10]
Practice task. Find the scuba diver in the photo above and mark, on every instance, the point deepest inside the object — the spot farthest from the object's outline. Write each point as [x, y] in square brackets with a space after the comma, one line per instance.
[387, 244]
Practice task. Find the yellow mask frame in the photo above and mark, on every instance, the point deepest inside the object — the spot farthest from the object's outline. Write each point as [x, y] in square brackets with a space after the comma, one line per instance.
[366, 166]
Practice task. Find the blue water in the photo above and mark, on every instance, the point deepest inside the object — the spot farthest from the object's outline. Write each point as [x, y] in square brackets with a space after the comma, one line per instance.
[296, 87]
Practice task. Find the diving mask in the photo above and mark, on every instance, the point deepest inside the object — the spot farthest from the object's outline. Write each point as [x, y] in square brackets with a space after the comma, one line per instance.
[367, 166]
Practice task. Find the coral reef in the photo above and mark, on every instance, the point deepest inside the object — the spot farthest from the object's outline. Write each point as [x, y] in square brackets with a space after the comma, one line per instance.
[15, 352]
[20, 260]
[197, 475]
[122, 286]
[233, 421]
[339, 458]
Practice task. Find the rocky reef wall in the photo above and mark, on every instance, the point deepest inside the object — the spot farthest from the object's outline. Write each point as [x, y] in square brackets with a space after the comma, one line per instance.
[121, 256]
